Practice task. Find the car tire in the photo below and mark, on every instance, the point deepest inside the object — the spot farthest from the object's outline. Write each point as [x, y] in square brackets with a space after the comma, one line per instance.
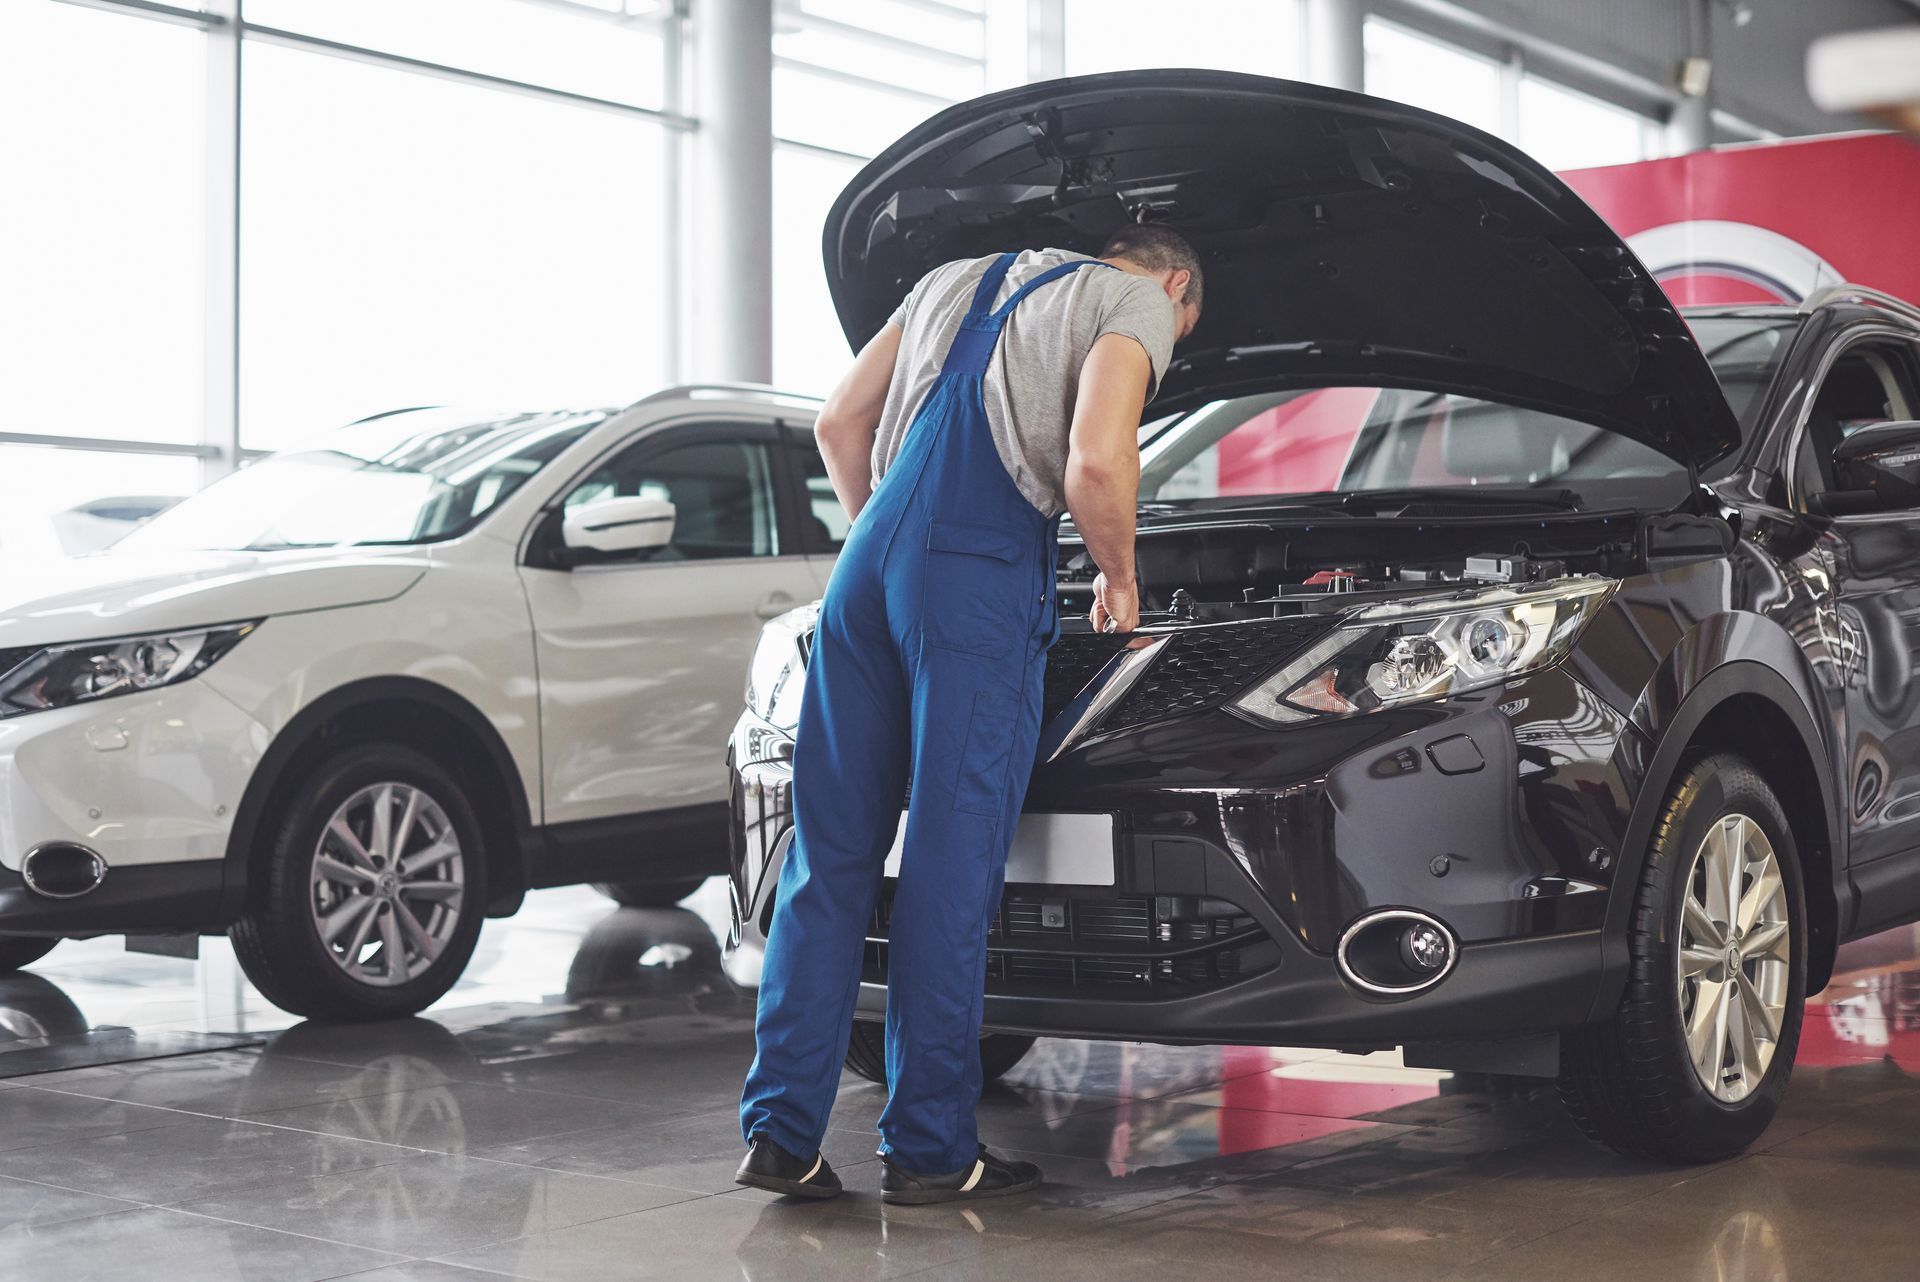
[867, 1052]
[303, 940]
[1683, 1071]
[23, 950]
[644, 894]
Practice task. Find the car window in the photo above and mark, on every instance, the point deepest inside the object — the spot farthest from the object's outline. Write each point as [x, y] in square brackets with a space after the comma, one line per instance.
[1870, 382]
[721, 490]
[823, 511]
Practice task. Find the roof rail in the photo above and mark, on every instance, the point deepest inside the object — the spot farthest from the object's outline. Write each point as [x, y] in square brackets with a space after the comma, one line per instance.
[1862, 296]
[757, 391]
[404, 409]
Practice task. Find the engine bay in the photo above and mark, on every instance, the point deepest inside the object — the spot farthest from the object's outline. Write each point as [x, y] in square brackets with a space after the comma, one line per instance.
[1223, 571]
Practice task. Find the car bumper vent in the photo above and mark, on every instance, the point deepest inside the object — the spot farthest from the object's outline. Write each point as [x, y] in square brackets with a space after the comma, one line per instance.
[1119, 945]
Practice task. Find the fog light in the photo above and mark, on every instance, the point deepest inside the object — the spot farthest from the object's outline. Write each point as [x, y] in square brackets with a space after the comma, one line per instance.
[62, 870]
[1423, 947]
[1396, 952]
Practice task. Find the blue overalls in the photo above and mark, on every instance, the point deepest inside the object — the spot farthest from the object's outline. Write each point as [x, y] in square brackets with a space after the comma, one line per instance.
[926, 668]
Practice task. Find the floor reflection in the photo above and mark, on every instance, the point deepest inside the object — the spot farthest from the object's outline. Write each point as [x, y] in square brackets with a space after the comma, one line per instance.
[569, 1112]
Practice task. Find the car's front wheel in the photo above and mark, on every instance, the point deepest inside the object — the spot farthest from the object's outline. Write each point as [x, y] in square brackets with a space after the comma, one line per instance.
[867, 1052]
[22, 950]
[1693, 1065]
[372, 893]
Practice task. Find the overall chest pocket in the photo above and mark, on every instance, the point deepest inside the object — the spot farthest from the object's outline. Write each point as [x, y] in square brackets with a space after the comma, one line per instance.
[980, 595]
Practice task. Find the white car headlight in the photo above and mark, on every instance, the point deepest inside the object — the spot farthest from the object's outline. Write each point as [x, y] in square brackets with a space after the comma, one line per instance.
[779, 671]
[61, 675]
[1405, 652]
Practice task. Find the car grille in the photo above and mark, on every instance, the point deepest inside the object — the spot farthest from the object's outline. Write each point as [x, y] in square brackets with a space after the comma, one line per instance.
[1197, 669]
[1122, 946]
[1075, 660]
[1205, 667]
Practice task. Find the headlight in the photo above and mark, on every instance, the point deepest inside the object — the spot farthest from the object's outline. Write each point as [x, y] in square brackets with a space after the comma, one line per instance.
[779, 670]
[67, 674]
[1406, 652]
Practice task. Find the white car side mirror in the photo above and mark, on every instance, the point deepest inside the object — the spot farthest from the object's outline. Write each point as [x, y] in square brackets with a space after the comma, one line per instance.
[618, 525]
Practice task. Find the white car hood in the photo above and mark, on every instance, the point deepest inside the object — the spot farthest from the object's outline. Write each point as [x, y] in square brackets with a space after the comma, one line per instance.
[127, 593]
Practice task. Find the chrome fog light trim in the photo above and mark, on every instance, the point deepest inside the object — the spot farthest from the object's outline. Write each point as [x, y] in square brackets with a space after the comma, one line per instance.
[62, 870]
[1387, 931]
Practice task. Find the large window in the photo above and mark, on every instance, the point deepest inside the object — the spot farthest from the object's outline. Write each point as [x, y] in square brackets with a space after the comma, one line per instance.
[41, 489]
[849, 77]
[410, 240]
[809, 350]
[1559, 127]
[102, 233]
[1566, 130]
[1260, 36]
[1425, 73]
[603, 49]
[457, 201]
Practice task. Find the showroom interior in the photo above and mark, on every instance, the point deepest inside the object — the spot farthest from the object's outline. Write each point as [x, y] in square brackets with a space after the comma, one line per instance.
[411, 524]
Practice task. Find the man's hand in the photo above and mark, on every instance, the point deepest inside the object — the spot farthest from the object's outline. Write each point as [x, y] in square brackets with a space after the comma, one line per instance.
[1116, 607]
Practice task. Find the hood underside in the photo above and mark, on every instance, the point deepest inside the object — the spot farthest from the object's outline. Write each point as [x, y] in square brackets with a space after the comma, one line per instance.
[1345, 239]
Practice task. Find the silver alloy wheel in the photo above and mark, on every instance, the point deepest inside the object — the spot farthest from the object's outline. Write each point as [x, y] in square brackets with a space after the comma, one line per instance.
[1735, 954]
[388, 882]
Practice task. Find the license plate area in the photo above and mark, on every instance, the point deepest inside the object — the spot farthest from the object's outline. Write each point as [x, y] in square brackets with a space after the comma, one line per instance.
[1048, 850]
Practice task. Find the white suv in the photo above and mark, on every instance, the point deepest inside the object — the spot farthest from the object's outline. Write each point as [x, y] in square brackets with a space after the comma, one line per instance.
[355, 697]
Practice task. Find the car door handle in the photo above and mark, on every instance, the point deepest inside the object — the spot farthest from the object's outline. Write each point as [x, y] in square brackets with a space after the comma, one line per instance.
[775, 605]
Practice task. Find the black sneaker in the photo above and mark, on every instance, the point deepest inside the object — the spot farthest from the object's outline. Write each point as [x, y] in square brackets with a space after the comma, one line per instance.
[986, 1176]
[770, 1167]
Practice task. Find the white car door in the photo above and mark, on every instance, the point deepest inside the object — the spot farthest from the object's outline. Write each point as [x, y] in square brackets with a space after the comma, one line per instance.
[643, 660]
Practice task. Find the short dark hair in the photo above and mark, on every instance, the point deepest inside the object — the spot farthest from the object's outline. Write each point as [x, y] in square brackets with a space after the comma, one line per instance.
[1159, 248]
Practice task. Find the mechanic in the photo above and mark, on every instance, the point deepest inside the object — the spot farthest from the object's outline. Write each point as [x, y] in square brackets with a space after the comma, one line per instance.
[1002, 392]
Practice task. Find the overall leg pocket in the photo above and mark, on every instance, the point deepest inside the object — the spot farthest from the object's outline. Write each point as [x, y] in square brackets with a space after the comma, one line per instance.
[981, 786]
[979, 591]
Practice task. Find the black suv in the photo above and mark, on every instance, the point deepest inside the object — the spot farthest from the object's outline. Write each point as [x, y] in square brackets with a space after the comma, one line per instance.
[1525, 679]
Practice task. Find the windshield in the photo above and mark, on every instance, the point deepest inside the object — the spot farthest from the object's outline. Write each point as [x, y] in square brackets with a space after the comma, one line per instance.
[403, 478]
[1354, 440]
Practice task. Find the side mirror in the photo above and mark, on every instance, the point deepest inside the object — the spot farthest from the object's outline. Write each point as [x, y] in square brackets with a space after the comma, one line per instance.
[1881, 461]
[612, 527]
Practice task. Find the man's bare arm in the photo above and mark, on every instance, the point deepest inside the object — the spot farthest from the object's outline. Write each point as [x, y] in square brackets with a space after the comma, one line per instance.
[851, 416]
[1103, 471]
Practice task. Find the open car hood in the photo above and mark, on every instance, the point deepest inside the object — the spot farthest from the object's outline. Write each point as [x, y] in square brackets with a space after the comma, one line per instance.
[1346, 239]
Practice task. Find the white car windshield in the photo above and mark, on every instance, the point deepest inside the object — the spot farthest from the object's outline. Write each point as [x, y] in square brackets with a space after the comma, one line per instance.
[402, 478]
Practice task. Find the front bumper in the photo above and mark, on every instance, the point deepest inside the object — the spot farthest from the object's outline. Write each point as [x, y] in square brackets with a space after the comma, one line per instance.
[156, 898]
[147, 781]
[1242, 853]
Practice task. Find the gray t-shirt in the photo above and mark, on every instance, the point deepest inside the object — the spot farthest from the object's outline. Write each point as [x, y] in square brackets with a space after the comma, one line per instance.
[1035, 372]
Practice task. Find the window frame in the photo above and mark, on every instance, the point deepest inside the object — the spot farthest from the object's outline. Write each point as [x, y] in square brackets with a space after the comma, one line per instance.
[797, 440]
[542, 542]
[1798, 496]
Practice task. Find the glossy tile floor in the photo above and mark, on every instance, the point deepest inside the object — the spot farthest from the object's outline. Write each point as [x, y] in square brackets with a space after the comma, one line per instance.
[567, 1113]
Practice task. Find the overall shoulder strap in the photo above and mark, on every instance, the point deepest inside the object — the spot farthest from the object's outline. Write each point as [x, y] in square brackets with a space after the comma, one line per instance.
[1047, 277]
[973, 346]
[989, 287]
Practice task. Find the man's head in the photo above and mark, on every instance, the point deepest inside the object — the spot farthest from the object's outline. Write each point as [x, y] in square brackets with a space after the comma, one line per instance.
[1151, 249]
